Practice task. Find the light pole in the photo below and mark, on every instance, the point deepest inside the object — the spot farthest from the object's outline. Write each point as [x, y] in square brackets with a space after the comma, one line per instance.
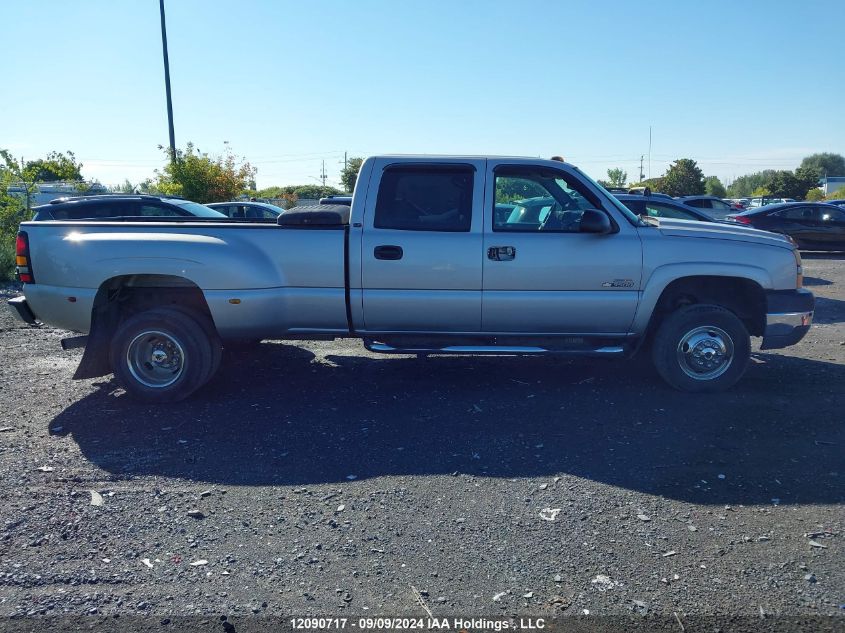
[167, 82]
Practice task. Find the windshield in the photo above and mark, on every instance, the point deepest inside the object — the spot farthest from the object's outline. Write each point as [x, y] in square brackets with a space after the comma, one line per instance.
[199, 210]
[632, 217]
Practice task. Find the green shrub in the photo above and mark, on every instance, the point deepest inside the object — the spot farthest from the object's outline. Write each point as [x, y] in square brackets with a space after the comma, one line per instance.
[7, 261]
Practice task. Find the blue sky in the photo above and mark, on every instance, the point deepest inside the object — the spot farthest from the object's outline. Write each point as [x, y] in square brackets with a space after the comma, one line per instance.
[739, 86]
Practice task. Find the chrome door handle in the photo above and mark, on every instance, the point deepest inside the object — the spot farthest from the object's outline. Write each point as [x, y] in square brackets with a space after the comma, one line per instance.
[501, 253]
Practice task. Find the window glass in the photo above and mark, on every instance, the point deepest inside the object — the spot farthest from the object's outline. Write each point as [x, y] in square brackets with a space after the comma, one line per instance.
[425, 199]
[541, 201]
[698, 204]
[797, 213]
[637, 206]
[833, 215]
[660, 210]
[194, 208]
[95, 210]
[226, 209]
[149, 210]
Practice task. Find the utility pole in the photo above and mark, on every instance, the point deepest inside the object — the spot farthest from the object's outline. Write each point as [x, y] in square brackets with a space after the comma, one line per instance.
[167, 81]
[344, 161]
[642, 175]
[323, 174]
[649, 152]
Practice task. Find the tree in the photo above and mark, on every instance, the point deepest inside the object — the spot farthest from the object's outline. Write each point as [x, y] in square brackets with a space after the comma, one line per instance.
[814, 195]
[286, 198]
[808, 179]
[654, 184]
[18, 173]
[202, 178]
[126, 187]
[56, 167]
[744, 186]
[827, 163]
[349, 174]
[784, 184]
[683, 178]
[839, 194]
[617, 177]
[760, 192]
[714, 187]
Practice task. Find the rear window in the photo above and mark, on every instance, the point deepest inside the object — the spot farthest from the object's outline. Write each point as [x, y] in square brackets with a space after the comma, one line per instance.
[425, 199]
[199, 210]
[95, 210]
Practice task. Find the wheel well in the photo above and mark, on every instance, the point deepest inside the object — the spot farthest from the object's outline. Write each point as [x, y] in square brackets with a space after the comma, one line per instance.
[121, 297]
[744, 297]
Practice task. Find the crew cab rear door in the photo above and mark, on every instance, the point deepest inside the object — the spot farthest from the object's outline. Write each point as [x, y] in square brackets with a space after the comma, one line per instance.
[421, 249]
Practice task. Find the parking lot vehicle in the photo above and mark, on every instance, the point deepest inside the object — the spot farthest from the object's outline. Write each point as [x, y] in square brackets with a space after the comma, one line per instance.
[436, 255]
[662, 208]
[736, 203]
[122, 207]
[347, 200]
[839, 203]
[713, 206]
[813, 226]
[763, 201]
[250, 210]
[646, 191]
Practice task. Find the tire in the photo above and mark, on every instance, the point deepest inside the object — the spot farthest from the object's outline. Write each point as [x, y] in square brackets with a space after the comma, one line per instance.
[701, 348]
[210, 330]
[161, 355]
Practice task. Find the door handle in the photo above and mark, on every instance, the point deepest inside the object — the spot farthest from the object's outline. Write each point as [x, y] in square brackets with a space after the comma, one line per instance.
[388, 252]
[501, 253]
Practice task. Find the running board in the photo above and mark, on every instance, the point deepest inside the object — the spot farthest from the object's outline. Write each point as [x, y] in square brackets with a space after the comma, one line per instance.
[383, 348]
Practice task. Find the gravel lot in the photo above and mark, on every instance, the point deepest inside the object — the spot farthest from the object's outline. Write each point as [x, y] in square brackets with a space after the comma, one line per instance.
[320, 479]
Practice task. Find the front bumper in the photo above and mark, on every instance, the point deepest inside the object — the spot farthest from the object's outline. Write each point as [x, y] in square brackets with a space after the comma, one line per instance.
[789, 314]
[20, 308]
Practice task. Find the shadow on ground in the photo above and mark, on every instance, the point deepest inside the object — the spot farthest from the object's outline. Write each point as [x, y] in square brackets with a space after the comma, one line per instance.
[275, 414]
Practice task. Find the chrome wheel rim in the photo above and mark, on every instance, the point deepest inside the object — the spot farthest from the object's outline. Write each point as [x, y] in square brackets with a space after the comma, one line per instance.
[155, 359]
[705, 352]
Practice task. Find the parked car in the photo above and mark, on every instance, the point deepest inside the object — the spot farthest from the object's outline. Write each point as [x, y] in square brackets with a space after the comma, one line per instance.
[839, 203]
[814, 226]
[767, 200]
[250, 210]
[713, 206]
[421, 263]
[646, 191]
[737, 203]
[662, 208]
[122, 207]
[347, 200]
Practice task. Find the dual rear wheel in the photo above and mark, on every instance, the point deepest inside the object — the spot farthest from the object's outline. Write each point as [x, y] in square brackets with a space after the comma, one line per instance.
[165, 354]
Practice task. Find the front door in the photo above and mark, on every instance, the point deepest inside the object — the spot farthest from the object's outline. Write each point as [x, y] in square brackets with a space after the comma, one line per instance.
[421, 248]
[541, 274]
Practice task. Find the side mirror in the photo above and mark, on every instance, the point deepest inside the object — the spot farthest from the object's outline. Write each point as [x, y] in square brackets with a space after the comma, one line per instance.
[595, 221]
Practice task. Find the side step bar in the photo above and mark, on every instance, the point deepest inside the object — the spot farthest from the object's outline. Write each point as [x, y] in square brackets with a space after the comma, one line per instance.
[508, 350]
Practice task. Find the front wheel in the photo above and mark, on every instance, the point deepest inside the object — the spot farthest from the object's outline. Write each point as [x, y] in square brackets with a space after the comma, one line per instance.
[701, 348]
[161, 355]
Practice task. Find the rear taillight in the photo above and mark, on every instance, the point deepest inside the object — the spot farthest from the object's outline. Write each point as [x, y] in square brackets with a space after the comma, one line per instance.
[23, 263]
[742, 219]
[799, 269]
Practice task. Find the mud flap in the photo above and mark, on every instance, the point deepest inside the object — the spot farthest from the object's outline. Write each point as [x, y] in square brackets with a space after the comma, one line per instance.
[95, 359]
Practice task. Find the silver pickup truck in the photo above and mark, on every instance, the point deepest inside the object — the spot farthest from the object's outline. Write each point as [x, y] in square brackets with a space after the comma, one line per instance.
[435, 255]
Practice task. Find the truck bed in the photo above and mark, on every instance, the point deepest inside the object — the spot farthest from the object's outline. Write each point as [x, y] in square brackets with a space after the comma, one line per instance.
[263, 281]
